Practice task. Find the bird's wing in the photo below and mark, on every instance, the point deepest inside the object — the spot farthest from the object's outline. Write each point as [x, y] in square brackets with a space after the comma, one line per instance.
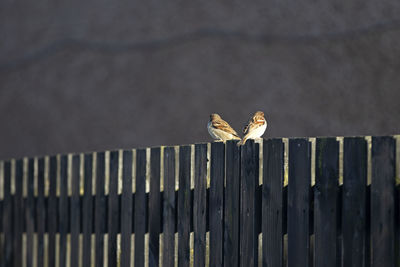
[248, 126]
[252, 125]
[224, 126]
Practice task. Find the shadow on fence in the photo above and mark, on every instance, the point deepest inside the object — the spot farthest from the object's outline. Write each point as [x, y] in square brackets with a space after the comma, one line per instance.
[330, 203]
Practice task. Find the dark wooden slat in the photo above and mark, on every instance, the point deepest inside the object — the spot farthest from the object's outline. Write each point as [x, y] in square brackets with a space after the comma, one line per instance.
[40, 214]
[232, 205]
[29, 214]
[199, 204]
[87, 210]
[18, 214]
[8, 224]
[325, 199]
[2, 241]
[100, 212]
[75, 210]
[52, 210]
[184, 207]
[154, 207]
[285, 211]
[272, 202]
[63, 209]
[249, 182]
[397, 222]
[382, 201]
[113, 210]
[354, 201]
[298, 202]
[140, 206]
[169, 207]
[1, 220]
[126, 209]
[217, 175]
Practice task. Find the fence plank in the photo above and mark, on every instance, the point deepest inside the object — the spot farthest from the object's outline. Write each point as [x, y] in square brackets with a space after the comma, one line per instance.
[155, 208]
[298, 202]
[140, 206]
[75, 210]
[232, 205]
[217, 175]
[29, 214]
[100, 212]
[87, 212]
[63, 209]
[169, 207]
[184, 206]
[18, 214]
[113, 214]
[272, 202]
[2, 214]
[325, 199]
[126, 209]
[8, 223]
[199, 204]
[354, 201]
[382, 201]
[40, 214]
[249, 181]
[52, 210]
[397, 221]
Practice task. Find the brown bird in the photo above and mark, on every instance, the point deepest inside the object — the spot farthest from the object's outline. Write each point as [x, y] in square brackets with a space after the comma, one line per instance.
[220, 129]
[255, 128]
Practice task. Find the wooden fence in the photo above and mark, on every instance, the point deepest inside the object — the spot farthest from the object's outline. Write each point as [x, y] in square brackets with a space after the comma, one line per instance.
[297, 202]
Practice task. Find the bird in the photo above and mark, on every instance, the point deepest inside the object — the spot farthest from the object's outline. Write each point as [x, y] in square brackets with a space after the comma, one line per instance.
[255, 127]
[220, 129]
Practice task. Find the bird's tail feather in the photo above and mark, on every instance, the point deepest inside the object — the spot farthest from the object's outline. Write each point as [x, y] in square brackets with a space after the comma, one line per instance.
[242, 142]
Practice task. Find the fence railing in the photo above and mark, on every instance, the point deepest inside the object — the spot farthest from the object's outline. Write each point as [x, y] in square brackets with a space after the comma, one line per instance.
[278, 202]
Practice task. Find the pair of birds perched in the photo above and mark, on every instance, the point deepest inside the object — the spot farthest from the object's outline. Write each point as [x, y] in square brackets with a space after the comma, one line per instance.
[221, 130]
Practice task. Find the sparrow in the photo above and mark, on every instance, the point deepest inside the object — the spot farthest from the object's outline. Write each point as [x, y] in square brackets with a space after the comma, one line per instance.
[255, 128]
[220, 129]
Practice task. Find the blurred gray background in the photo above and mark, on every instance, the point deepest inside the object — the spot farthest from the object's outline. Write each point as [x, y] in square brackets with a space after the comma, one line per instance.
[95, 75]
